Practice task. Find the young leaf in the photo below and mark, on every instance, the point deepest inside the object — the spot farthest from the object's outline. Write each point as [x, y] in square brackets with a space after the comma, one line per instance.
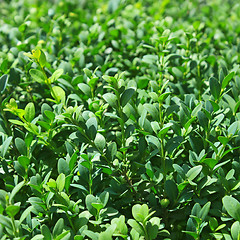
[42, 59]
[111, 99]
[37, 75]
[24, 161]
[12, 210]
[57, 74]
[85, 89]
[29, 112]
[227, 79]
[60, 182]
[58, 94]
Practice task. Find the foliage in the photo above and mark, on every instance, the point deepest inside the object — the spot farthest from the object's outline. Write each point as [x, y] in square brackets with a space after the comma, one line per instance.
[119, 119]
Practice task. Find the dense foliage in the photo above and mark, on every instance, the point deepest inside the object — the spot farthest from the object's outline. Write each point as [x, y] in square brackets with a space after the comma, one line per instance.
[119, 119]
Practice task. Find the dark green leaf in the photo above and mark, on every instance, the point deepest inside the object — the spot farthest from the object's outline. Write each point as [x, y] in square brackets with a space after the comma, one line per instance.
[215, 87]
[3, 83]
[126, 96]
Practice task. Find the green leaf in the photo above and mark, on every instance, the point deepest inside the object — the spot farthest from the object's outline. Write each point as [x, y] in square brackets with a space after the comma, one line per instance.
[98, 206]
[150, 59]
[140, 212]
[5, 221]
[177, 72]
[134, 224]
[227, 79]
[3, 83]
[126, 96]
[85, 89]
[111, 99]
[64, 236]
[193, 172]
[152, 228]
[58, 94]
[78, 237]
[37, 75]
[232, 206]
[12, 210]
[42, 59]
[89, 200]
[193, 234]
[26, 212]
[233, 128]
[73, 161]
[15, 190]
[38, 236]
[92, 235]
[171, 190]
[92, 127]
[163, 96]
[57, 74]
[104, 196]
[24, 161]
[111, 151]
[5, 146]
[235, 230]
[21, 146]
[100, 141]
[58, 228]
[63, 167]
[153, 141]
[223, 140]
[152, 110]
[204, 211]
[215, 87]
[29, 112]
[203, 120]
[60, 182]
[46, 232]
[213, 223]
[17, 122]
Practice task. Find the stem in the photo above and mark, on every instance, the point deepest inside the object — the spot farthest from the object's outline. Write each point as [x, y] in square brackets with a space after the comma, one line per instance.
[14, 227]
[71, 223]
[90, 179]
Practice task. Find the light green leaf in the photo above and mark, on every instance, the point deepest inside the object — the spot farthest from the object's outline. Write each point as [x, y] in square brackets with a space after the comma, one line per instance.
[227, 79]
[37, 75]
[111, 99]
[57, 74]
[232, 206]
[60, 182]
[193, 172]
[12, 210]
[29, 112]
[58, 94]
